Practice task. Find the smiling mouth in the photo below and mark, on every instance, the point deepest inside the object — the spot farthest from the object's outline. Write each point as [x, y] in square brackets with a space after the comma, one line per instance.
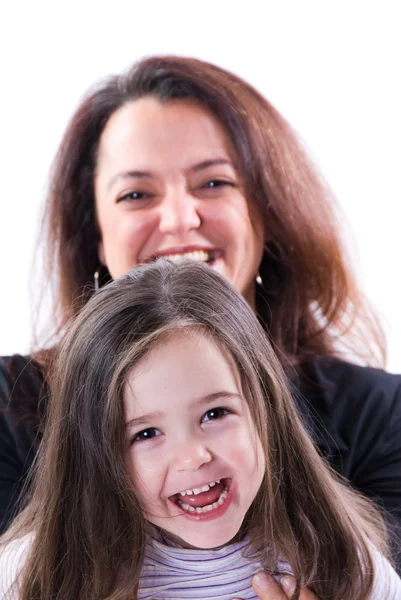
[198, 501]
[205, 256]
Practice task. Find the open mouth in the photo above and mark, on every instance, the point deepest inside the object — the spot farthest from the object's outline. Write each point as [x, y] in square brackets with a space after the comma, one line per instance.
[205, 256]
[206, 499]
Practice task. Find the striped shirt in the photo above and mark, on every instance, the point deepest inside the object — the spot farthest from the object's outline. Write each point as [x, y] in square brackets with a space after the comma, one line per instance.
[172, 572]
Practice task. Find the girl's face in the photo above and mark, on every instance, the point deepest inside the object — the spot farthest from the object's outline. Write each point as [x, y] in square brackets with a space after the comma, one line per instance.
[167, 184]
[192, 451]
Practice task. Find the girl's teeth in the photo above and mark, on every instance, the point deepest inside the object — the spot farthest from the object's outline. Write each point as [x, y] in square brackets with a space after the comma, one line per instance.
[196, 491]
[207, 508]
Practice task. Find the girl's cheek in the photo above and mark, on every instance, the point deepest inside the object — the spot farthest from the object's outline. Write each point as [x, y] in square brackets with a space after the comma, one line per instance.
[145, 472]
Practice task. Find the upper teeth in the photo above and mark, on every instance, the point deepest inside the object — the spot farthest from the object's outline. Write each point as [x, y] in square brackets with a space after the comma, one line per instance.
[199, 255]
[204, 488]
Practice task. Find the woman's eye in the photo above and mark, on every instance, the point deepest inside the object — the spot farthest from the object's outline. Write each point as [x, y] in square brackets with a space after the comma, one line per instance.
[215, 413]
[133, 196]
[215, 183]
[146, 434]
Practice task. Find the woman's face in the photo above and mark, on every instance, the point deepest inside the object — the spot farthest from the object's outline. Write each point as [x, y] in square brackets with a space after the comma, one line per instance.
[193, 453]
[167, 184]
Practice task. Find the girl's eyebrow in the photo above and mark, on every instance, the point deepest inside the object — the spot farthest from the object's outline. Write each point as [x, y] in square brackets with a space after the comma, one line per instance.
[148, 418]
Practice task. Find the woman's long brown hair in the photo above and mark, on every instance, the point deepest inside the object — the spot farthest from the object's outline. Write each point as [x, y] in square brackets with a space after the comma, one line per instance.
[88, 525]
[309, 300]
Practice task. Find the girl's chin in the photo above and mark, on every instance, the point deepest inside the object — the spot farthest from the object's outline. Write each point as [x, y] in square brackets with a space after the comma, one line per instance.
[192, 544]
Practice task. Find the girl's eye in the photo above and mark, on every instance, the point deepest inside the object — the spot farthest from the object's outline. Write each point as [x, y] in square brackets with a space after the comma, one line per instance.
[133, 196]
[146, 434]
[215, 413]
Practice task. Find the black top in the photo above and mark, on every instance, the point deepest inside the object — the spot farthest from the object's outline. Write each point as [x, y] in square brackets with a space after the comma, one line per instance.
[353, 414]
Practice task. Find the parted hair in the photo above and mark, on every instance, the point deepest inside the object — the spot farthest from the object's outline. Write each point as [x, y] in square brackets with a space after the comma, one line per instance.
[309, 299]
[89, 530]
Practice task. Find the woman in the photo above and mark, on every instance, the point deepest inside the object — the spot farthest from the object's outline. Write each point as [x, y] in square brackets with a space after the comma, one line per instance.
[178, 157]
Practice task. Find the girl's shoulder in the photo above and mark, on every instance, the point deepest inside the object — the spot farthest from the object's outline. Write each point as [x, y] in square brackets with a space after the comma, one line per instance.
[387, 584]
[13, 555]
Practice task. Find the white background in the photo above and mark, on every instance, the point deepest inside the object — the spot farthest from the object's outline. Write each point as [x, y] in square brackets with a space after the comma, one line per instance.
[332, 68]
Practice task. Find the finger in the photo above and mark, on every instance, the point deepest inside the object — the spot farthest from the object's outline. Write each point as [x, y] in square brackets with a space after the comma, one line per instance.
[307, 595]
[288, 584]
[267, 588]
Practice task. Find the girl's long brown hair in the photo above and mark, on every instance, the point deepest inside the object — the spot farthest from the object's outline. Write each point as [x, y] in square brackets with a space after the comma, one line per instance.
[88, 525]
[309, 299]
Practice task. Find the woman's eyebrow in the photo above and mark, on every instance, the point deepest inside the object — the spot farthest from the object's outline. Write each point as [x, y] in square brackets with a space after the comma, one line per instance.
[128, 175]
[205, 164]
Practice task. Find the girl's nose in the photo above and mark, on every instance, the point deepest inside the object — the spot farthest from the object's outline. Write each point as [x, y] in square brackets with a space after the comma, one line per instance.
[178, 214]
[190, 456]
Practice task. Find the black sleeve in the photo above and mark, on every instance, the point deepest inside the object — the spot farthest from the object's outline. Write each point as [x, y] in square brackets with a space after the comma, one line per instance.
[20, 387]
[354, 415]
[376, 470]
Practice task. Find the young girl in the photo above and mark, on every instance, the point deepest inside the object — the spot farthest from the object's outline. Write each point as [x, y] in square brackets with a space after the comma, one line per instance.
[174, 464]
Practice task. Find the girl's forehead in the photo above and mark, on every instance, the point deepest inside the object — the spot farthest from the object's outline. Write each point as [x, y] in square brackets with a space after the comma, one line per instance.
[182, 367]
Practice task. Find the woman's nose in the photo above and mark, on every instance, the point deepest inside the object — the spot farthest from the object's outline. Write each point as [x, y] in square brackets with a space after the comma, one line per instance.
[178, 213]
[190, 455]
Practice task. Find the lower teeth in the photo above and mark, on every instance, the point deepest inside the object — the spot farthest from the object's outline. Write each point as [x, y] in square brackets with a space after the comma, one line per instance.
[208, 507]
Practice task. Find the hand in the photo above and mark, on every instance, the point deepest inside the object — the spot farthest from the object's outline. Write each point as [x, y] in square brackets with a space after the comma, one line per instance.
[268, 589]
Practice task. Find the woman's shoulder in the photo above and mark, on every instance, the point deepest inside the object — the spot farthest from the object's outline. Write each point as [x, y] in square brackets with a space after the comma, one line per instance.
[22, 385]
[353, 413]
[340, 371]
[333, 386]
[19, 371]
[13, 555]
[23, 397]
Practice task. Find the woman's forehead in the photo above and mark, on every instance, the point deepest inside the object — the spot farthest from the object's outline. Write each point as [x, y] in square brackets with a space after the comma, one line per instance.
[148, 134]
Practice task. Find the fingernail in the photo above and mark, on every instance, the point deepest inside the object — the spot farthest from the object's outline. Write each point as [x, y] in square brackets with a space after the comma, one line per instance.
[261, 580]
[288, 584]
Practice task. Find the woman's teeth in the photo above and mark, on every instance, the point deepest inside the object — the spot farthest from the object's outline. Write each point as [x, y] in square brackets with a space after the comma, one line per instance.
[208, 507]
[199, 255]
[204, 488]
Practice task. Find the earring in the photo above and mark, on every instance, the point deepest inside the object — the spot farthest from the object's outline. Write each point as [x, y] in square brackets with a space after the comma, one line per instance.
[96, 280]
[259, 279]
